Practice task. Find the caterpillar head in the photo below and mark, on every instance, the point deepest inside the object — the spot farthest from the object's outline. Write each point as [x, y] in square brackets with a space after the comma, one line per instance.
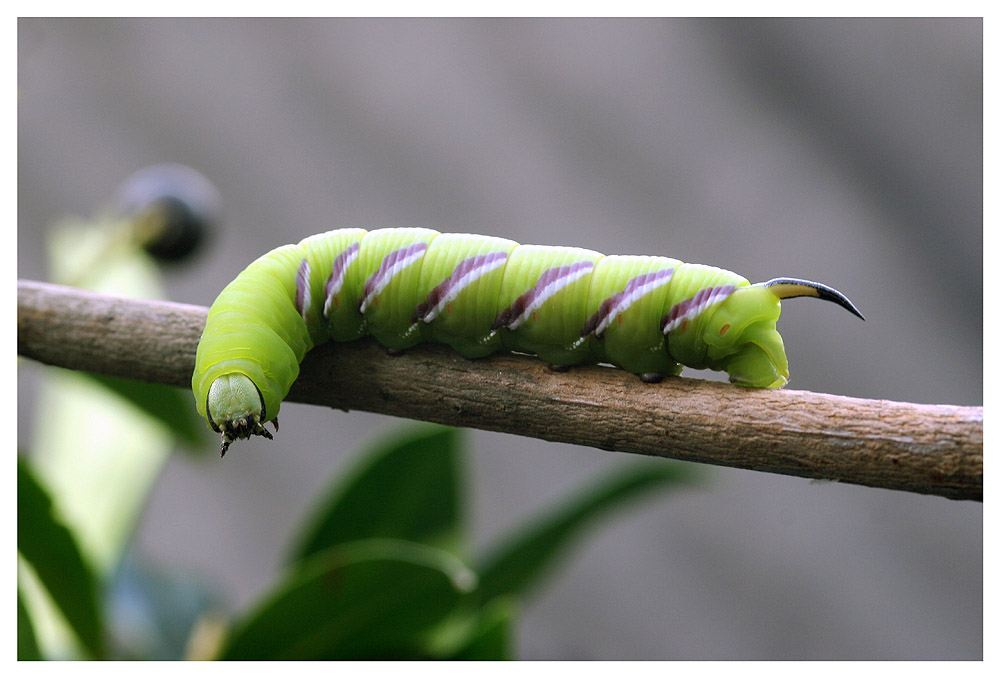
[741, 336]
[235, 408]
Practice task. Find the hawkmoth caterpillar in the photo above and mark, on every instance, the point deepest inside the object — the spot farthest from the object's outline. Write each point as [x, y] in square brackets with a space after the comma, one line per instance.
[480, 294]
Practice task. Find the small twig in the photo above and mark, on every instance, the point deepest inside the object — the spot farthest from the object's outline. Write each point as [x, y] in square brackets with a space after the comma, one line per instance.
[929, 449]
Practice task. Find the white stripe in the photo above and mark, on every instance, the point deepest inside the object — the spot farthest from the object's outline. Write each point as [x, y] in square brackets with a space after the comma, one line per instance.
[303, 278]
[389, 275]
[626, 302]
[462, 283]
[714, 298]
[546, 294]
[338, 284]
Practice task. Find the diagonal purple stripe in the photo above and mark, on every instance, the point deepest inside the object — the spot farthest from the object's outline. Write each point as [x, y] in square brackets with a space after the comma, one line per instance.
[339, 267]
[464, 268]
[612, 304]
[512, 313]
[646, 278]
[302, 288]
[553, 274]
[685, 307]
[388, 262]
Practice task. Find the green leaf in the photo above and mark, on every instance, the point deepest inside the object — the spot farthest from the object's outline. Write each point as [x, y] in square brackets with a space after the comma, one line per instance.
[374, 599]
[491, 638]
[52, 551]
[474, 632]
[98, 457]
[169, 405]
[521, 561]
[27, 645]
[407, 488]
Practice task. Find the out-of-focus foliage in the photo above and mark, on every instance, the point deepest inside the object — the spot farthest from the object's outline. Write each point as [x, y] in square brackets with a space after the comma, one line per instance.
[100, 442]
[405, 490]
[518, 564]
[27, 644]
[369, 599]
[378, 573]
[169, 405]
[49, 547]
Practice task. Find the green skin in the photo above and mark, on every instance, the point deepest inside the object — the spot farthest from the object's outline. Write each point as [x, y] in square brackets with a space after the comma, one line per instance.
[263, 323]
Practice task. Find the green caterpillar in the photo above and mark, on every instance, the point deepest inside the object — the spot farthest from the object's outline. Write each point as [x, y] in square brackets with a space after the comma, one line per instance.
[480, 294]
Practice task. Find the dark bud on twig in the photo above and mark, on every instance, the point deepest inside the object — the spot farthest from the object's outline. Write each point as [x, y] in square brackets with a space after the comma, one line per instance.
[172, 208]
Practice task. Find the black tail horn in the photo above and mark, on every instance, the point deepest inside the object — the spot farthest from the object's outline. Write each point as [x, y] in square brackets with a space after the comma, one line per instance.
[787, 288]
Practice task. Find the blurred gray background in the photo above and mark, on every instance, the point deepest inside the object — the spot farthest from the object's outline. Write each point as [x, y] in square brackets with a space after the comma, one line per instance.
[845, 151]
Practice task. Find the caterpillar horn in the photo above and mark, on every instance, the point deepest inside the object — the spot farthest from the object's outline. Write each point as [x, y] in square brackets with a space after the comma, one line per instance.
[789, 288]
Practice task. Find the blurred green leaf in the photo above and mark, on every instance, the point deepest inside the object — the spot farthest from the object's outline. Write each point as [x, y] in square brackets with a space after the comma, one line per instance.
[373, 599]
[94, 449]
[169, 405]
[474, 631]
[52, 551]
[407, 488]
[98, 457]
[491, 637]
[27, 645]
[516, 565]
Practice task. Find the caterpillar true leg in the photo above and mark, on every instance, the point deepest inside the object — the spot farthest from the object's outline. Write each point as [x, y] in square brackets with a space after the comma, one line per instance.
[235, 402]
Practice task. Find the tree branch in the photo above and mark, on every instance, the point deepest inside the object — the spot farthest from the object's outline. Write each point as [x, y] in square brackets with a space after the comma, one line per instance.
[929, 449]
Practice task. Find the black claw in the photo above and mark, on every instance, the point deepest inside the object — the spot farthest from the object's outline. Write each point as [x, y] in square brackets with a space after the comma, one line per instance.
[651, 377]
[244, 429]
[559, 368]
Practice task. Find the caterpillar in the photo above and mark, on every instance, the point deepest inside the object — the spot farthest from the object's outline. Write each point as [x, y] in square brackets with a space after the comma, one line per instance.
[479, 294]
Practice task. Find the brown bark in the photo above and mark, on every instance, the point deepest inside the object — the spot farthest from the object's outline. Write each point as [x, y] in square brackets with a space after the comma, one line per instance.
[930, 449]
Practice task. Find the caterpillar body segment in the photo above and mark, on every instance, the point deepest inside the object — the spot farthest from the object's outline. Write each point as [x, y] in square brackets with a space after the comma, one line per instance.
[628, 297]
[480, 294]
[390, 263]
[460, 282]
[253, 329]
[542, 306]
[334, 279]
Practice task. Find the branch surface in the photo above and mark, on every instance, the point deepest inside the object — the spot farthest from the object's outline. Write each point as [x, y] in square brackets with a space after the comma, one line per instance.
[928, 449]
